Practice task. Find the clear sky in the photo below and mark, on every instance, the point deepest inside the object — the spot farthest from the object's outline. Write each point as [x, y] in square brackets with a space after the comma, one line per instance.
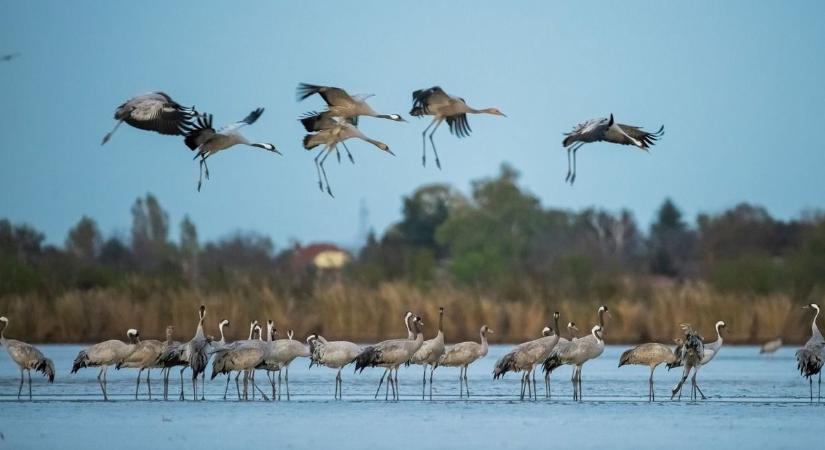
[739, 86]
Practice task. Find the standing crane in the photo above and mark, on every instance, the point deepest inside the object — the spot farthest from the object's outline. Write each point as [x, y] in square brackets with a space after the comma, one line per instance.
[330, 138]
[392, 353]
[463, 354]
[689, 354]
[435, 102]
[105, 354]
[332, 354]
[207, 141]
[154, 111]
[525, 356]
[811, 356]
[605, 129]
[27, 357]
[144, 357]
[429, 353]
[709, 351]
[651, 355]
[561, 346]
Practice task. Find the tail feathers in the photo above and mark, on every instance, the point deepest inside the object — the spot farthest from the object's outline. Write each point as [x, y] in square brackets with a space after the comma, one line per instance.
[306, 90]
[808, 362]
[504, 365]
[551, 363]
[46, 367]
[568, 141]
[370, 357]
[81, 361]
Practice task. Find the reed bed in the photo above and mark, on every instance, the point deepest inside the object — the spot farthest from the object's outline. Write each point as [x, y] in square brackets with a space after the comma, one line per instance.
[362, 314]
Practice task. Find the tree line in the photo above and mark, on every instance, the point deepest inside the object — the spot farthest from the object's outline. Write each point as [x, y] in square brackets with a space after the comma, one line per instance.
[498, 240]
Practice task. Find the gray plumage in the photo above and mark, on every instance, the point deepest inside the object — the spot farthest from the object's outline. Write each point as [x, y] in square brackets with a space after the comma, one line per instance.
[689, 354]
[579, 352]
[392, 353]
[430, 352]
[144, 356]
[771, 346]
[810, 358]
[525, 356]
[105, 354]
[281, 354]
[171, 353]
[343, 105]
[332, 354]
[561, 346]
[709, 351]
[329, 138]
[651, 355]
[27, 357]
[207, 141]
[243, 357]
[463, 354]
[155, 111]
[196, 353]
[605, 129]
[437, 103]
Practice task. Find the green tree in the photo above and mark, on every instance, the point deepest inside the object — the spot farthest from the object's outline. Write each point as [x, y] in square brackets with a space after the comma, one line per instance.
[84, 239]
[189, 249]
[671, 242]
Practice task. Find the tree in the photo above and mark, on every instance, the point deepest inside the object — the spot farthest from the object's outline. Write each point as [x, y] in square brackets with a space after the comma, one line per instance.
[150, 232]
[84, 240]
[189, 249]
[423, 212]
[671, 242]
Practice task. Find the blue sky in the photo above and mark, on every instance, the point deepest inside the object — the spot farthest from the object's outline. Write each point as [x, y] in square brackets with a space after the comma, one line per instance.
[739, 86]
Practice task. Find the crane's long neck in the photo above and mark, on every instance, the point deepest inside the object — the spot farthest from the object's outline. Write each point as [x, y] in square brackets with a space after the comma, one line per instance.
[441, 322]
[223, 339]
[168, 336]
[378, 144]
[481, 111]
[3, 326]
[484, 341]
[814, 328]
[718, 333]
[601, 317]
[570, 332]
[410, 334]
[556, 324]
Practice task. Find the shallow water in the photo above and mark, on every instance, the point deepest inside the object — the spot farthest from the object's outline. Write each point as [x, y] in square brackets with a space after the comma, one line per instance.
[754, 401]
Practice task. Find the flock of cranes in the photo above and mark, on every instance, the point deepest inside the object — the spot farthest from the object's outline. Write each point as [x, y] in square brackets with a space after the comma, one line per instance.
[157, 111]
[263, 351]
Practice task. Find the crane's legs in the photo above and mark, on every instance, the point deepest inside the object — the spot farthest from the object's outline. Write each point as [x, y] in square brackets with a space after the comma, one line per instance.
[20, 389]
[137, 386]
[237, 385]
[424, 143]
[101, 380]
[547, 384]
[573, 382]
[696, 386]
[203, 385]
[397, 387]
[279, 385]
[387, 387]
[424, 382]
[431, 382]
[181, 383]
[650, 394]
[338, 385]
[109, 134]
[29, 372]
[380, 382]
[678, 388]
[523, 387]
[202, 165]
[466, 385]
[148, 383]
[349, 155]
[318, 168]
[535, 391]
[571, 173]
[460, 382]
[435, 152]
[324, 172]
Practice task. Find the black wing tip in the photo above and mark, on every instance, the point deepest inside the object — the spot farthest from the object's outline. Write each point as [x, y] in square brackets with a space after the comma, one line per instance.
[306, 90]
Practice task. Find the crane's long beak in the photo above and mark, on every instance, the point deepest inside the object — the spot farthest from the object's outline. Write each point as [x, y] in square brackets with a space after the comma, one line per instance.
[389, 151]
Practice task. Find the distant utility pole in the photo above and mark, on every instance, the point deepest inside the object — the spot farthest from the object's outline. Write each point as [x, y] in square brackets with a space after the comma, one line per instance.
[363, 222]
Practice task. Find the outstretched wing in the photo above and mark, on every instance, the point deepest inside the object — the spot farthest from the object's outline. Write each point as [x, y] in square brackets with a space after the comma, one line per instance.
[459, 125]
[200, 133]
[588, 131]
[632, 135]
[155, 113]
[315, 121]
[425, 100]
[248, 120]
[332, 95]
